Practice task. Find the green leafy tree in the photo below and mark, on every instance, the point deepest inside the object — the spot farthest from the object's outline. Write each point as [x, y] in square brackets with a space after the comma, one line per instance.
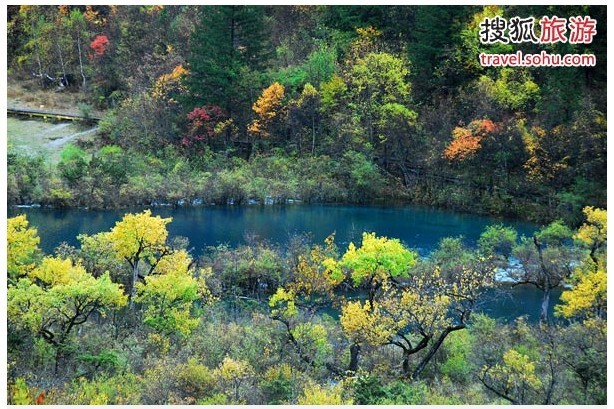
[435, 49]
[73, 164]
[379, 92]
[497, 240]
[57, 297]
[77, 26]
[278, 383]
[169, 296]
[583, 349]
[451, 256]
[524, 363]
[513, 89]
[34, 24]
[547, 260]
[377, 261]
[304, 113]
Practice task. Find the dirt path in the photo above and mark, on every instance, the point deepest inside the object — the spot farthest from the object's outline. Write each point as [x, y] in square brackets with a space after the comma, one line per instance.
[57, 143]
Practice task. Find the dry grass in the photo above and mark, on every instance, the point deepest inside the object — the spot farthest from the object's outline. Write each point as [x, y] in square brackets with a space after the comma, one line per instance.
[28, 94]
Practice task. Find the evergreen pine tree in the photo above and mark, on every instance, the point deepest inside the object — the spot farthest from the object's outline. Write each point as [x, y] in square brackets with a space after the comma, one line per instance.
[229, 42]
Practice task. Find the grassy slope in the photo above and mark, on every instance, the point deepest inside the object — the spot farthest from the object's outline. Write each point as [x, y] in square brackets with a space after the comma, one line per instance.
[42, 137]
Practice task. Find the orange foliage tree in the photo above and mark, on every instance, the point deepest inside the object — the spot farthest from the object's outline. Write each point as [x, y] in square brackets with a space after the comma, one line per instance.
[266, 107]
[466, 141]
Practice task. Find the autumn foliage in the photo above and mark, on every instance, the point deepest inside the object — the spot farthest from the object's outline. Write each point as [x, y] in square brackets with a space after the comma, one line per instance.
[266, 108]
[41, 398]
[466, 141]
[167, 85]
[100, 45]
[202, 125]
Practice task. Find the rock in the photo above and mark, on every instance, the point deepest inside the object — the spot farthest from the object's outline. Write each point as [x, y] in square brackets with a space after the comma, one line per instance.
[28, 206]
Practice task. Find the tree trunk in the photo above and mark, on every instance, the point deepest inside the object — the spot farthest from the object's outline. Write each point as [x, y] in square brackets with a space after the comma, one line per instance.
[354, 353]
[38, 57]
[545, 304]
[434, 349]
[313, 134]
[406, 355]
[58, 357]
[64, 77]
[547, 284]
[135, 278]
[81, 62]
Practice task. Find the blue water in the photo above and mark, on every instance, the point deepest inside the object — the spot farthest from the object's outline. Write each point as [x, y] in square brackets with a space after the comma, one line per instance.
[418, 228]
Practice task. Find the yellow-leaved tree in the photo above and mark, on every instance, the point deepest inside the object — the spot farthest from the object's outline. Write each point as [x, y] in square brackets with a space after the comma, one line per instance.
[169, 295]
[314, 394]
[58, 296]
[163, 280]
[411, 305]
[594, 231]
[514, 380]
[377, 261]
[167, 86]
[588, 297]
[232, 374]
[22, 248]
[266, 108]
[295, 306]
[140, 237]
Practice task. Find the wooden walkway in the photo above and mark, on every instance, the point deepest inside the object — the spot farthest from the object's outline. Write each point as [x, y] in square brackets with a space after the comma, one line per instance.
[60, 116]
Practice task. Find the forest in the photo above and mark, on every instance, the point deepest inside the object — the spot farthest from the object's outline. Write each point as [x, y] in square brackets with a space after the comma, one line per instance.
[315, 103]
[269, 105]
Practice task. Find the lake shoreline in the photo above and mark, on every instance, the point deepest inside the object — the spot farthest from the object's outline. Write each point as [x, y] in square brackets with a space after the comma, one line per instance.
[196, 203]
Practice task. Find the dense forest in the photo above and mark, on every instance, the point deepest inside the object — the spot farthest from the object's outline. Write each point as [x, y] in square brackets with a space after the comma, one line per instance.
[199, 105]
[312, 103]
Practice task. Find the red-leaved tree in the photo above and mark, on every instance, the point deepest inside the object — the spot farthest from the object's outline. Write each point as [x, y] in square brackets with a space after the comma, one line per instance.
[202, 125]
[100, 45]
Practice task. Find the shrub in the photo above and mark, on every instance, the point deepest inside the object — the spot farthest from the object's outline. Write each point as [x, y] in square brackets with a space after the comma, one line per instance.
[457, 365]
[497, 239]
